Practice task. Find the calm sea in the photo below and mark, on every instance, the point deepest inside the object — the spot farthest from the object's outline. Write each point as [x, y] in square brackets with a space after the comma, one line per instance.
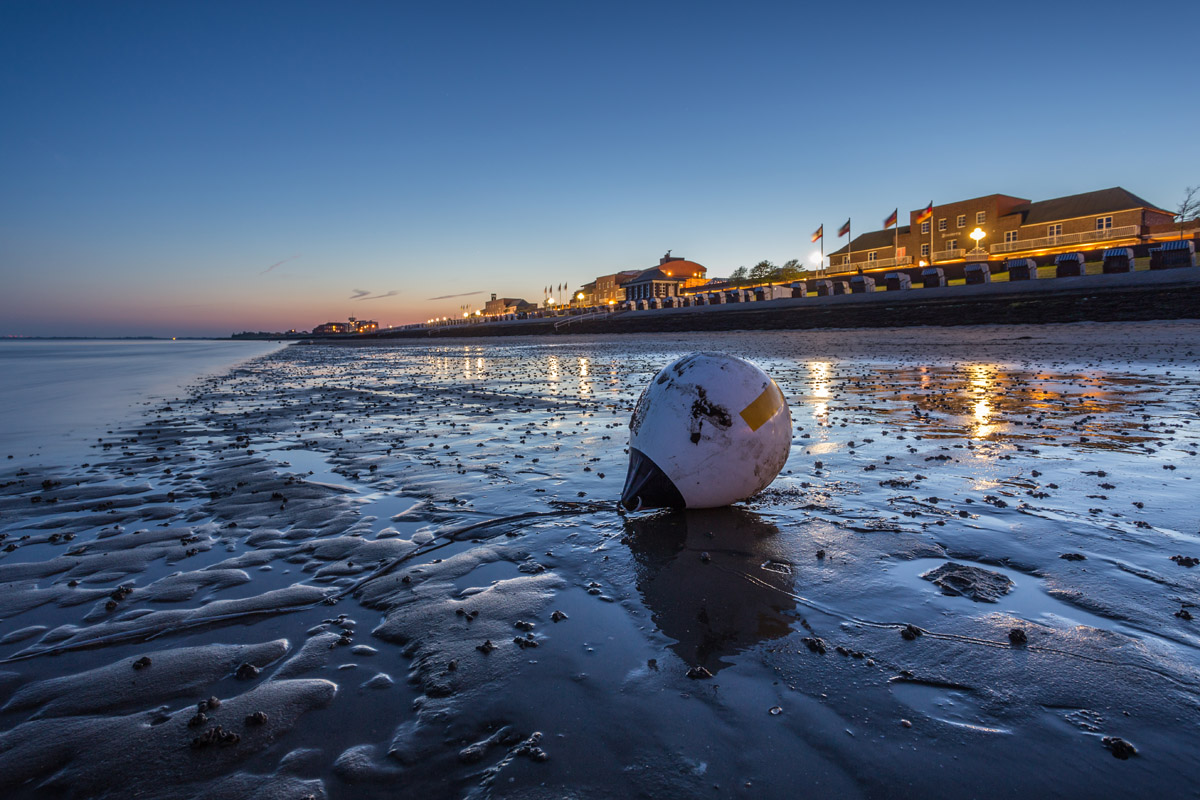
[57, 397]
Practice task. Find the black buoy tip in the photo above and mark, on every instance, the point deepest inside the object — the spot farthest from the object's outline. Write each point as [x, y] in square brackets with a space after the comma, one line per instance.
[647, 486]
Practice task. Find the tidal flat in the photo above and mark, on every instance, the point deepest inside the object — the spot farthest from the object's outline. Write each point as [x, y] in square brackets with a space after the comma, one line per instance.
[355, 571]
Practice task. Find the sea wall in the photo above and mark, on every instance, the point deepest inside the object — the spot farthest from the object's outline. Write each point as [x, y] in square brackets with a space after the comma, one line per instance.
[1170, 294]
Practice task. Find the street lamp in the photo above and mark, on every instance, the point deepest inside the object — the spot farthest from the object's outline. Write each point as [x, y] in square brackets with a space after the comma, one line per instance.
[977, 234]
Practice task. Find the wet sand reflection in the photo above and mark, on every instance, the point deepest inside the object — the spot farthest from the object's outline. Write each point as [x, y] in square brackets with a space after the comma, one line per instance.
[716, 581]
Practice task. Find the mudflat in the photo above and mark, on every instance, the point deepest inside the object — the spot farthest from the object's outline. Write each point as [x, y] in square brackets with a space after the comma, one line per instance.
[354, 571]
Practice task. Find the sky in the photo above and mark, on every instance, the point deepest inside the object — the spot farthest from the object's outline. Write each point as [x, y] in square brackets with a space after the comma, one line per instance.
[201, 168]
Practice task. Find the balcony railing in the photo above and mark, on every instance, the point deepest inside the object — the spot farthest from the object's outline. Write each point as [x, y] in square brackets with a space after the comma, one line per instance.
[1105, 235]
[879, 263]
[948, 255]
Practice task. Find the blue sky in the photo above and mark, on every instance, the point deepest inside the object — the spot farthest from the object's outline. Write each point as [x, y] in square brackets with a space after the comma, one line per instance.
[156, 159]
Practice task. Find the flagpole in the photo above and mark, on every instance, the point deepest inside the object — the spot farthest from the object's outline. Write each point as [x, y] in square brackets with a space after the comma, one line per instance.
[821, 266]
[896, 237]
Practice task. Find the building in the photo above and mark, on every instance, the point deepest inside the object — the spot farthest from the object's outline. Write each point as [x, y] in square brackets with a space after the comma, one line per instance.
[353, 326]
[610, 289]
[499, 306]
[672, 274]
[1006, 227]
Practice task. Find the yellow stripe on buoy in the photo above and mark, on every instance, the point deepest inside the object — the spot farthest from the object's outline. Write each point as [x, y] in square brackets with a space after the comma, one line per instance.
[764, 407]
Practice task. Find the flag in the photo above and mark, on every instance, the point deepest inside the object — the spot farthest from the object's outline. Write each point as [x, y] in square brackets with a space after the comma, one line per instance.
[925, 215]
[891, 219]
[845, 229]
[819, 233]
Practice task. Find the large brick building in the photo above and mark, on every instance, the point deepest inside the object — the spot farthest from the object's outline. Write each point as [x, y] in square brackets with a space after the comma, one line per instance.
[1011, 227]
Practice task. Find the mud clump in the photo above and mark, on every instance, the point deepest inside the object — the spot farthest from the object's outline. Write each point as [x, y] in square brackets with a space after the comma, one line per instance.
[980, 585]
[142, 662]
[910, 632]
[218, 736]
[1186, 561]
[247, 672]
[1119, 747]
[1018, 637]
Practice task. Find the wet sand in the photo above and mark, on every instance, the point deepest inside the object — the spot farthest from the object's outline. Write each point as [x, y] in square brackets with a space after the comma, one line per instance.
[400, 567]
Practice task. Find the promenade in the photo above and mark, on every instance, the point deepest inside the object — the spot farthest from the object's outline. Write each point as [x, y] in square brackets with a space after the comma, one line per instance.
[1144, 295]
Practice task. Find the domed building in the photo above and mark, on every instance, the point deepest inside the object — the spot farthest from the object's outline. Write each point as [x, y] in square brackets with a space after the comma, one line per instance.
[672, 274]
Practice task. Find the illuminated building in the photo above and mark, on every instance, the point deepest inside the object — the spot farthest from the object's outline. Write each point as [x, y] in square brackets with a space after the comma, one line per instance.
[1013, 227]
[665, 280]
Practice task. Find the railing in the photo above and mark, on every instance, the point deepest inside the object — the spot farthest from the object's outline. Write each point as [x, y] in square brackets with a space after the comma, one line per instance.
[1107, 234]
[581, 318]
[947, 255]
[881, 263]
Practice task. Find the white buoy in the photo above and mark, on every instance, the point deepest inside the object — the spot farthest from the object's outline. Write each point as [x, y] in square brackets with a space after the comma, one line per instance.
[709, 430]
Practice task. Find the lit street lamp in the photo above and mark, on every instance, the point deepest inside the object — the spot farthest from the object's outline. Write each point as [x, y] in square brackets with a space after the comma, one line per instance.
[977, 234]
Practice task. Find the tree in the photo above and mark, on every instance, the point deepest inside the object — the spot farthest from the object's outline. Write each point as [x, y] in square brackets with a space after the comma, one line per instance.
[761, 272]
[790, 272]
[1189, 208]
[738, 277]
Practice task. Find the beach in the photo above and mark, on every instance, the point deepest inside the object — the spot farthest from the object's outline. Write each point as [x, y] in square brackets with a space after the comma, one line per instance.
[400, 566]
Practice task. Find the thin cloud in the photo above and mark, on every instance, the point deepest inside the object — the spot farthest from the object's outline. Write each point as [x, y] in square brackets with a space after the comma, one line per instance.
[392, 293]
[365, 294]
[279, 263]
[448, 296]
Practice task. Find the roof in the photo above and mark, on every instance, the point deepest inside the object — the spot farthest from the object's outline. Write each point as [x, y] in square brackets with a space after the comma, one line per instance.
[1087, 204]
[677, 270]
[652, 274]
[874, 240]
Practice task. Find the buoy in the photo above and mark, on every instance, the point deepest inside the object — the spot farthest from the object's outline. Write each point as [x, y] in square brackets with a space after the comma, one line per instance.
[708, 430]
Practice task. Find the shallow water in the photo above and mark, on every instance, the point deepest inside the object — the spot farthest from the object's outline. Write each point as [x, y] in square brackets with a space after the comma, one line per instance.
[443, 495]
[58, 396]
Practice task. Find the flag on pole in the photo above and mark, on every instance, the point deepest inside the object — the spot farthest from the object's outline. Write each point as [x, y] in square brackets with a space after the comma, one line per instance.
[845, 229]
[819, 233]
[891, 219]
[925, 215]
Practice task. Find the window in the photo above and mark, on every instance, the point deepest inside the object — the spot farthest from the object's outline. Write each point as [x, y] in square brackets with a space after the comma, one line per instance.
[845, 259]
[1010, 236]
[925, 226]
[952, 244]
[980, 217]
[1103, 223]
[1054, 230]
[924, 251]
[962, 220]
[872, 256]
[942, 224]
